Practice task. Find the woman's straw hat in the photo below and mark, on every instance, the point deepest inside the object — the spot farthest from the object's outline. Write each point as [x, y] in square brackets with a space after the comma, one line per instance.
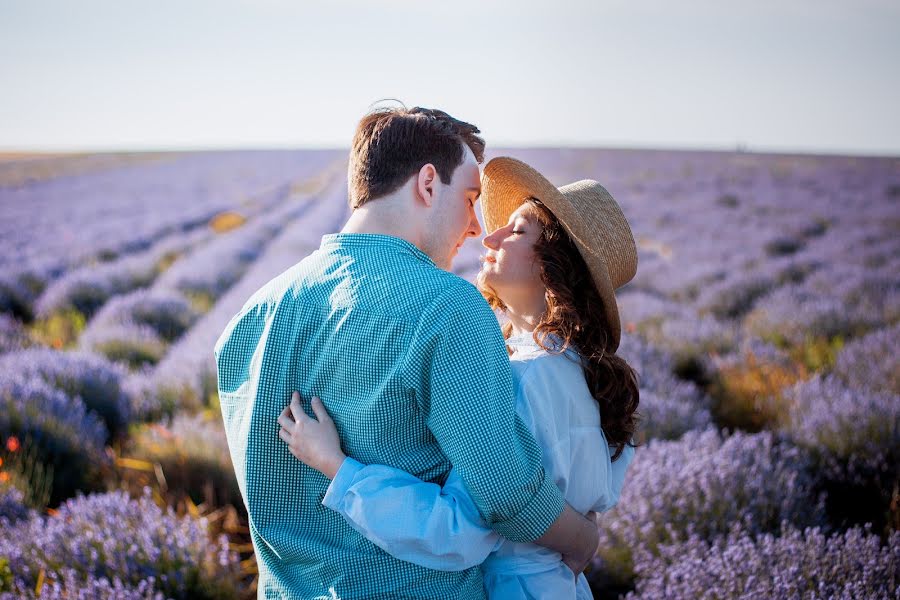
[588, 213]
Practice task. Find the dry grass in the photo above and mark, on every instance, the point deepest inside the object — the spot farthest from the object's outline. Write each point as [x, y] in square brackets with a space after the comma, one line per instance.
[748, 396]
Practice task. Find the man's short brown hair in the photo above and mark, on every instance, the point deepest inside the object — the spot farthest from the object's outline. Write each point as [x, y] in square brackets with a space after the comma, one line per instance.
[391, 145]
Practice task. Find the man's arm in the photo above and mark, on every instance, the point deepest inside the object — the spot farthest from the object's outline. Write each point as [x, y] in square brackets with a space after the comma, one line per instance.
[468, 397]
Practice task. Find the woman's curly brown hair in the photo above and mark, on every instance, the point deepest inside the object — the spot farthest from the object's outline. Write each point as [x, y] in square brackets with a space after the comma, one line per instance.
[576, 317]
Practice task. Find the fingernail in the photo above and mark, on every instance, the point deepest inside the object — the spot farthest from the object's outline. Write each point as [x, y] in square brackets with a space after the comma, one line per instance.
[296, 395]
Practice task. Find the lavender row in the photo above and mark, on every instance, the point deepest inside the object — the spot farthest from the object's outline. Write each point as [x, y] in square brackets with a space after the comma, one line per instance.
[113, 544]
[92, 380]
[137, 328]
[211, 269]
[700, 485]
[854, 433]
[797, 563]
[87, 288]
[127, 209]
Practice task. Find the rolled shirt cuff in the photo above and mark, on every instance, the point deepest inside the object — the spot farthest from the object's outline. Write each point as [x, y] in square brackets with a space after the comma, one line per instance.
[535, 518]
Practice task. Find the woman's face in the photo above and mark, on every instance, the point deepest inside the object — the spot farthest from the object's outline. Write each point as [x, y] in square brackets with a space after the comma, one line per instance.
[510, 267]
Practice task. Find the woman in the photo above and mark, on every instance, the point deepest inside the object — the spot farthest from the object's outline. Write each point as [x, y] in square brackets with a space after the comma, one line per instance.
[553, 261]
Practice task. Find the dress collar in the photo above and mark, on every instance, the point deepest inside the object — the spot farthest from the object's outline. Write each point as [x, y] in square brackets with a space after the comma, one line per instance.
[524, 344]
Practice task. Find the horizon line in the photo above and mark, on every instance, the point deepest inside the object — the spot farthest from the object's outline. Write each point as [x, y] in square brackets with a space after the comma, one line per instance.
[737, 148]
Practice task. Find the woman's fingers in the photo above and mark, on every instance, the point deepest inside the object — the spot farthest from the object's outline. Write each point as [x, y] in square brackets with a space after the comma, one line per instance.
[283, 434]
[320, 410]
[284, 419]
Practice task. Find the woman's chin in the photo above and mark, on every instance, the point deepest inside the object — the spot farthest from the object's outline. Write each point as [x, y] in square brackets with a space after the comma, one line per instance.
[484, 279]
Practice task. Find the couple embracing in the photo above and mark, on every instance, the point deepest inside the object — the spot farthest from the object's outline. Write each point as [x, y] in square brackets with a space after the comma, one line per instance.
[389, 437]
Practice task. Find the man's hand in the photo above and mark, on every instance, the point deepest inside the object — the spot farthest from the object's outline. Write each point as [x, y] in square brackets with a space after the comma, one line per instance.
[315, 442]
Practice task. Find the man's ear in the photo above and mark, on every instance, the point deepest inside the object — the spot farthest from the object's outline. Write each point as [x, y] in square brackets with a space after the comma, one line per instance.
[426, 182]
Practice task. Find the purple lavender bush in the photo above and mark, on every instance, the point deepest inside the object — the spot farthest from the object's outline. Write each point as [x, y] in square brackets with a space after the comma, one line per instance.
[668, 416]
[872, 362]
[87, 288]
[702, 484]
[152, 400]
[733, 297]
[12, 505]
[689, 337]
[853, 565]
[852, 432]
[870, 295]
[166, 312]
[169, 314]
[59, 428]
[133, 543]
[668, 406]
[93, 379]
[69, 585]
[128, 343]
[12, 335]
[792, 314]
[853, 435]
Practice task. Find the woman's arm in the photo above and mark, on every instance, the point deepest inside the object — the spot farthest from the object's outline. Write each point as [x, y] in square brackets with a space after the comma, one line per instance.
[413, 520]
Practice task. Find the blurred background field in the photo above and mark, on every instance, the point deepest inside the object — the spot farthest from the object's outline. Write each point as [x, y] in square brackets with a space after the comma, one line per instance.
[159, 163]
[763, 322]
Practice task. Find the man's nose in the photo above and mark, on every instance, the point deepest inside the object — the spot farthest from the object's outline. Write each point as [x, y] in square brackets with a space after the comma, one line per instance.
[490, 242]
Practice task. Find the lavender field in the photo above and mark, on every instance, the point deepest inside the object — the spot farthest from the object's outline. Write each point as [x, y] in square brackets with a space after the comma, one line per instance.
[764, 322]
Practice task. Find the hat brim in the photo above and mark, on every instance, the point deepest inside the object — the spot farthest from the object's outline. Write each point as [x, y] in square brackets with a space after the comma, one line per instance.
[505, 185]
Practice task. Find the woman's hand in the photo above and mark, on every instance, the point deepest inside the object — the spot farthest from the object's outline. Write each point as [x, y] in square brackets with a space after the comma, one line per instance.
[315, 442]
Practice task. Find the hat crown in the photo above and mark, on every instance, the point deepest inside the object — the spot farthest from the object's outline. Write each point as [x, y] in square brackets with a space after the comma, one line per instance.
[601, 228]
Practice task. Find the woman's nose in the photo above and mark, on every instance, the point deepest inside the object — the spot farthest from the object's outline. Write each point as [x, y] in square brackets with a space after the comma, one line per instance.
[474, 227]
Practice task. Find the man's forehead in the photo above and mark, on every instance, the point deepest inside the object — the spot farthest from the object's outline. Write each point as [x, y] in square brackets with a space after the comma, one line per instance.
[470, 170]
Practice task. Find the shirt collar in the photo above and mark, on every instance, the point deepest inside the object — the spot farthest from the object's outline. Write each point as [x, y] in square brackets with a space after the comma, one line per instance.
[366, 241]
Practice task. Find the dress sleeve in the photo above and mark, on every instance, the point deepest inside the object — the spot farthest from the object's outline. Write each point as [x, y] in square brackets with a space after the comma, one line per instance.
[554, 398]
[410, 519]
[618, 471]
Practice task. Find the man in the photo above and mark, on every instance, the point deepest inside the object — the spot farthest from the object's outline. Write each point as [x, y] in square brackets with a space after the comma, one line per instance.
[408, 359]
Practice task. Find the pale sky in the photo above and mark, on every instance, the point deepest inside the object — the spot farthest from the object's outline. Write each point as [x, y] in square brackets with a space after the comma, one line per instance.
[805, 75]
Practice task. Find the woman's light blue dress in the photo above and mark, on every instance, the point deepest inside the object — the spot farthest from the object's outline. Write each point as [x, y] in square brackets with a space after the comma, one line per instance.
[440, 527]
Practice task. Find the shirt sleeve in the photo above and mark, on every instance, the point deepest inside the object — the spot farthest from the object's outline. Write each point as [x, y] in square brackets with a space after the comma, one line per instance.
[467, 395]
[413, 520]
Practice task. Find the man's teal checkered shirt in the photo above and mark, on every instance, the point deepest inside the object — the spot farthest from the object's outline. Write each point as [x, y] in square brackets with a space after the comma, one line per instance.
[411, 364]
